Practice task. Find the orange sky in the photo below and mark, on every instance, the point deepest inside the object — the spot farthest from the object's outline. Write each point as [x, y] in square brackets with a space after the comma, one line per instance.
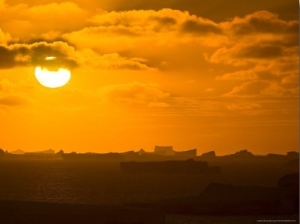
[212, 75]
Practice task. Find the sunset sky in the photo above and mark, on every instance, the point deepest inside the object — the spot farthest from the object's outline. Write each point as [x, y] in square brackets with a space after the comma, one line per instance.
[210, 74]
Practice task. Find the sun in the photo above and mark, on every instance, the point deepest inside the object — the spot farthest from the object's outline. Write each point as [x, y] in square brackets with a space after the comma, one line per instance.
[52, 77]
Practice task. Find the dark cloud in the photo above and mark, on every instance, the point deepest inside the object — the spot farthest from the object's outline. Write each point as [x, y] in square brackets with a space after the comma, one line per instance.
[263, 22]
[130, 65]
[286, 41]
[198, 27]
[240, 54]
[40, 52]
[134, 22]
[216, 10]
[115, 30]
[165, 21]
[35, 54]
[261, 51]
[6, 58]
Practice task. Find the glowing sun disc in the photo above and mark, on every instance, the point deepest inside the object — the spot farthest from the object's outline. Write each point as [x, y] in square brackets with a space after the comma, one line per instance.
[52, 79]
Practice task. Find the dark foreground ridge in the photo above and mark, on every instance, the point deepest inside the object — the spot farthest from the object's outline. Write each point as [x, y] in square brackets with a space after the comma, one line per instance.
[226, 199]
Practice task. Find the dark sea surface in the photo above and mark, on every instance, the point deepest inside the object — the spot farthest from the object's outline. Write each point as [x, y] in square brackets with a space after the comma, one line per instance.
[89, 182]
[92, 182]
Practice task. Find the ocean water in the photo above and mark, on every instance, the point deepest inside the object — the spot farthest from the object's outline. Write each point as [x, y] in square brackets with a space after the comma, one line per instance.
[91, 182]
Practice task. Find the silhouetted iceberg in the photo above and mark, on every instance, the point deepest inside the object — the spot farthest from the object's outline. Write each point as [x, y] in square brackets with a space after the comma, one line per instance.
[172, 166]
[293, 154]
[209, 155]
[241, 154]
[111, 156]
[187, 153]
[164, 150]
